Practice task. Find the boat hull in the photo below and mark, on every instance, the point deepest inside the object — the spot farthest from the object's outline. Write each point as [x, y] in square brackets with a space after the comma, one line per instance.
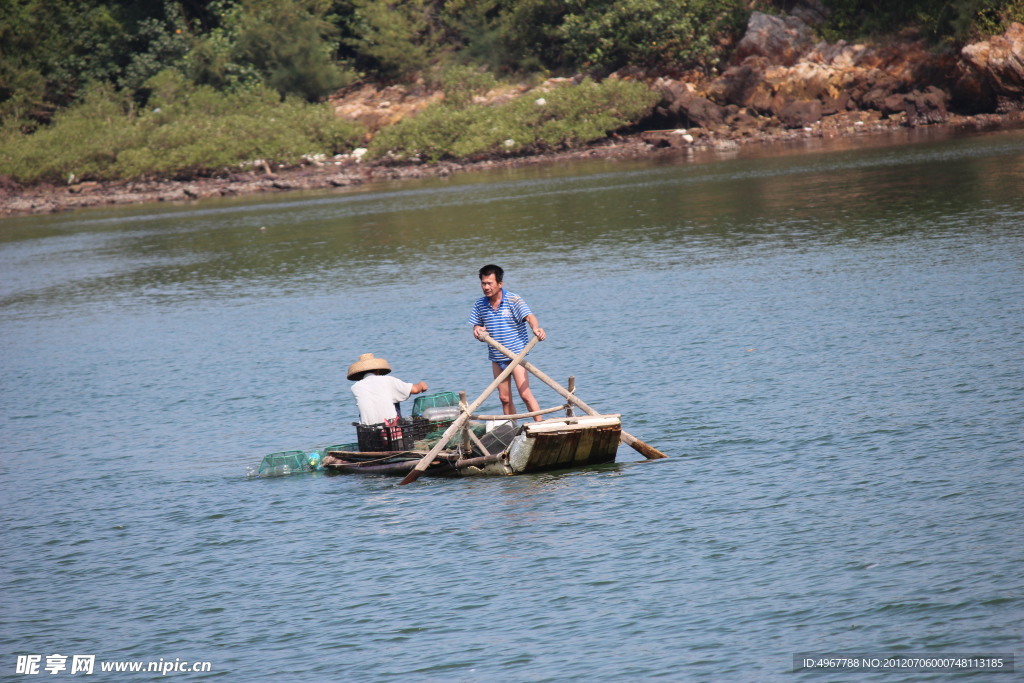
[538, 446]
[400, 463]
[565, 442]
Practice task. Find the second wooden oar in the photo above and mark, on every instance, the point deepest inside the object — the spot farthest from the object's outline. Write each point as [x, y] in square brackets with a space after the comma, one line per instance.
[425, 461]
[649, 452]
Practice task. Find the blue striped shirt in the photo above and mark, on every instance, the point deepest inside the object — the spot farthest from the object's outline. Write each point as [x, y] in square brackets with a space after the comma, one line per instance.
[506, 325]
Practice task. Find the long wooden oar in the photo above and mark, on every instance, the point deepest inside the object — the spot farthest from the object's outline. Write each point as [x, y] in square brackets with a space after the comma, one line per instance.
[649, 452]
[425, 461]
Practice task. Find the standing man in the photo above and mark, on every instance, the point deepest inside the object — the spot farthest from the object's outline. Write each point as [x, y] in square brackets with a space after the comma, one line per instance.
[504, 316]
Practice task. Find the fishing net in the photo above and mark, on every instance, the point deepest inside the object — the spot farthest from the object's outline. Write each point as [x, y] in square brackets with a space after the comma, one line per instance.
[348, 447]
[498, 439]
[285, 463]
[442, 400]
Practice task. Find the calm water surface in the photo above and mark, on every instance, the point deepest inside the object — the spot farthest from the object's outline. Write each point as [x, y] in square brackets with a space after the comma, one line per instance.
[828, 344]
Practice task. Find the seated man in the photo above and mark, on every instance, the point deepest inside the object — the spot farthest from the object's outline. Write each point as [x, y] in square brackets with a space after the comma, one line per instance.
[377, 395]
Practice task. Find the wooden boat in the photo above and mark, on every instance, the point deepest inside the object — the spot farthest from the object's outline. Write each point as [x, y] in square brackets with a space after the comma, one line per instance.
[554, 443]
[547, 444]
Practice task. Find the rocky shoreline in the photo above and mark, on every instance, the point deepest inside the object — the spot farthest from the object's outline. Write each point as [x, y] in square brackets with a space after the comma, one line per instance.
[664, 144]
[781, 87]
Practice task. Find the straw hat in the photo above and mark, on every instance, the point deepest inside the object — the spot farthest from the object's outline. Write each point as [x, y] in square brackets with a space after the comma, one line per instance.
[366, 363]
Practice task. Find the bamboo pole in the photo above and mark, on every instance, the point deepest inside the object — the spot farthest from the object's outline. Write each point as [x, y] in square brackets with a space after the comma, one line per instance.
[649, 452]
[455, 426]
[465, 428]
[572, 390]
[475, 462]
[475, 441]
[520, 416]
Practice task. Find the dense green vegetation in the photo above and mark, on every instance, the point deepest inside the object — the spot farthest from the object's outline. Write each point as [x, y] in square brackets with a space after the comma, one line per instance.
[129, 88]
[949, 21]
[52, 50]
[190, 130]
[564, 117]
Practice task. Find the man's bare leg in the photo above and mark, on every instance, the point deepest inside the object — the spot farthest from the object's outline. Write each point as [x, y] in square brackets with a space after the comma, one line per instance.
[523, 385]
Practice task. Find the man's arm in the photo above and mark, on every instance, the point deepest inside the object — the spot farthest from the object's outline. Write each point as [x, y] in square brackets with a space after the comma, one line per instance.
[538, 331]
[478, 330]
[418, 388]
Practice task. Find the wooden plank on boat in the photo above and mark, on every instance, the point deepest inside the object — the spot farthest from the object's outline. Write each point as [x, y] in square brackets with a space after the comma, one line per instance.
[609, 439]
[602, 448]
[584, 448]
[562, 448]
[571, 441]
[545, 451]
[567, 458]
[546, 442]
[588, 421]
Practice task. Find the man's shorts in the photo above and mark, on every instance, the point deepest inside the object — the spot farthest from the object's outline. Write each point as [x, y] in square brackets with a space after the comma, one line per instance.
[502, 364]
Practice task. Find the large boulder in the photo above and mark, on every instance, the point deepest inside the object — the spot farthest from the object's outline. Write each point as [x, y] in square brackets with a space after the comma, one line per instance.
[992, 72]
[680, 107]
[812, 12]
[743, 85]
[780, 40]
[920, 107]
[798, 95]
[779, 70]
[799, 113]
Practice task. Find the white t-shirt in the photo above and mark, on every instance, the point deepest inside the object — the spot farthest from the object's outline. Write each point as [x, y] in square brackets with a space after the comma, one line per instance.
[376, 396]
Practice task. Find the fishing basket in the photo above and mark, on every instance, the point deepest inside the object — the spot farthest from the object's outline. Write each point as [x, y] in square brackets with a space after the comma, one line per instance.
[284, 463]
[382, 437]
[401, 436]
[440, 400]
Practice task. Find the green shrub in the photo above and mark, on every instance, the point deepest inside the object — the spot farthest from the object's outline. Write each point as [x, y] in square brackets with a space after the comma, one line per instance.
[189, 131]
[210, 133]
[159, 44]
[288, 45]
[292, 45]
[83, 140]
[461, 83]
[393, 39]
[956, 21]
[509, 35]
[609, 34]
[979, 18]
[562, 118]
[68, 43]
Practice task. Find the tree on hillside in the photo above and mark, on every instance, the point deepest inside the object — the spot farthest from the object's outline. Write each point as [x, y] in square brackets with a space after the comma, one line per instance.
[51, 49]
[610, 34]
[289, 45]
[955, 20]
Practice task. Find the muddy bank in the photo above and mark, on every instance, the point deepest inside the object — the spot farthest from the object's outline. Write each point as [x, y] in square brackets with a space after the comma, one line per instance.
[16, 200]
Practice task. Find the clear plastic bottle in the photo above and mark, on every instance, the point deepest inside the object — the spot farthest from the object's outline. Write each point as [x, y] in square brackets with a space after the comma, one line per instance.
[437, 413]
